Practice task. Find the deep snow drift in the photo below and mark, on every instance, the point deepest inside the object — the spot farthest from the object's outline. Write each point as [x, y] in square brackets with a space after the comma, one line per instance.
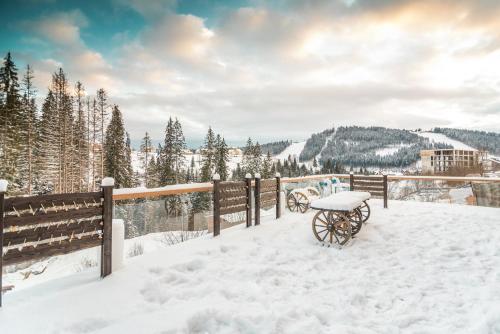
[416, 267]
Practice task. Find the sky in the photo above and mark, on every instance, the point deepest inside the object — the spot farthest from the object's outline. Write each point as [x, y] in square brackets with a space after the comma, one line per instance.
[271, 70]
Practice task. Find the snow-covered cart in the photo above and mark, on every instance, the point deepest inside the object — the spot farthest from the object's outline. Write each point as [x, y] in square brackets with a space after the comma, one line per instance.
[340, 216]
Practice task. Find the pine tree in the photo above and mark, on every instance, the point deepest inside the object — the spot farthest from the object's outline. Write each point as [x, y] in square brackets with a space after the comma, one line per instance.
[207, 156]
[130, 177]
[221, 158]
[247, 162]
[256, 158]
[116, 163]
[81, 139]
[145, 155]
[266, 166]
[48, 146]
[167, 156]
[10, 122]
[102, 109]
[28, 135]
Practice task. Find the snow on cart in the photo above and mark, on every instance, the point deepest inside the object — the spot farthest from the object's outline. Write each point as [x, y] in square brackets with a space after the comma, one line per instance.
[340, 216]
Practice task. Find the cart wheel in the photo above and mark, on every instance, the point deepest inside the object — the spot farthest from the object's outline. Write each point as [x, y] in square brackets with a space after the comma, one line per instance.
[365, 211]
[332, 227]
[297, 202]
[313, 191]
[356, 219]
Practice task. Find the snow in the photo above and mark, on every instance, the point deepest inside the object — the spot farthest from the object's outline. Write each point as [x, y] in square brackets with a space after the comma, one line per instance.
[441, 138]
[343, 201]
[408, 270]
[390, 150]
[293, 150]
[108, 182]
[3, 186]
[174, 187]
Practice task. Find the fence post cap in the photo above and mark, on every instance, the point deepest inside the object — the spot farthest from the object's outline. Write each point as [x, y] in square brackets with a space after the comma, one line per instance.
[108, 182]
[3, 186]
[351, 173]
[216, 177]
[384, 173]
[257, 175]
[248, 176]
[278, 175]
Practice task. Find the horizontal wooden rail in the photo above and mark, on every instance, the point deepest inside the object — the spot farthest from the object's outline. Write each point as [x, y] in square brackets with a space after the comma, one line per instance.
[177, 189]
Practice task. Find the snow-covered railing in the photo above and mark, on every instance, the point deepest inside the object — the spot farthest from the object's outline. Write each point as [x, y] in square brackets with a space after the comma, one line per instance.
[177, 189]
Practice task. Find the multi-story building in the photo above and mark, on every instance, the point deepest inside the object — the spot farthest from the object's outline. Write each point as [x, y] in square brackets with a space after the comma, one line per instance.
[436, 161]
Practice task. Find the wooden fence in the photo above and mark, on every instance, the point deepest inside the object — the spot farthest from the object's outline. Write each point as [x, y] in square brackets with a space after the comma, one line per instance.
[236, 196]
[376, 185]
[37, 227]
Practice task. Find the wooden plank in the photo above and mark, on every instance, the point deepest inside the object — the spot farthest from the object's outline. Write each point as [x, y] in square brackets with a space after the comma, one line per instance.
[368, 182]
[257, 201]
[233, 209]
[268, 190]
[107, 230]
[233, 201]
[2, 206]
[31, 253]
[248, 182]
[268, 203]
[278, 196]
[23, 203]
[268, 196]
[217, 209]
[49, 217]
[268, 183]
[44, 233]
[377, 193]
[232, 193]
[367, 178]
[366, 188]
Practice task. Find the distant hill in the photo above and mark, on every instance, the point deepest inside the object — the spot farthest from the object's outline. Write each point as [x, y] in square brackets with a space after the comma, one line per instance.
[367, 146]
[481, 140]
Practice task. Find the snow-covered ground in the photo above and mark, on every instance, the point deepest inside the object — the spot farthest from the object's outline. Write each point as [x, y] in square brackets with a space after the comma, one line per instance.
[415, 268]
[389, 150]
[441, 138]
[293, 150]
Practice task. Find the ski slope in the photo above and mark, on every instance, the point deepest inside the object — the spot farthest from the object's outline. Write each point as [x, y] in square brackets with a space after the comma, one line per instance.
[293, 150]
[408, 271]
[441, 138]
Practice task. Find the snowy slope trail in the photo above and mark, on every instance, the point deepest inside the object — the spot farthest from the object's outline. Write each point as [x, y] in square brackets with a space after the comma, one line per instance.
[293, 150]
[416, 267]
[441, 138]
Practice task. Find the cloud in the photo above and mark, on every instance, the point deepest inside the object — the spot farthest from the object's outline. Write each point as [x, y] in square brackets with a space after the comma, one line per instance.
[62, 28]
[283, 70]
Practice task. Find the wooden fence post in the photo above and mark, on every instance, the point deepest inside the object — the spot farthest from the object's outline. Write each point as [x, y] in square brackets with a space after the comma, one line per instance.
[385, 190]
[278, 195]
[248, 180]
[351, 181]
[216, 198]
[107, 185]
[257, 198]
[3, 190]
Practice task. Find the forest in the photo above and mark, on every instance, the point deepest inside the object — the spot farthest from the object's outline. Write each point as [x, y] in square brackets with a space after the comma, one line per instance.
[357, 146]
[68, 145]
[481, 140]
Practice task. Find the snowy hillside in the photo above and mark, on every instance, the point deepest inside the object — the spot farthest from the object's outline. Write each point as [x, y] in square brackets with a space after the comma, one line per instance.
[407, 271]
[440, 138]
[293, 150]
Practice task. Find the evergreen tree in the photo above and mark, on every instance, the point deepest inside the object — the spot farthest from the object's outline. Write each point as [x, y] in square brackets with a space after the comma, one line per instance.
[102, 112]
[116, 162]
[10, 122]
[145, 156]
[208, 156]
[28, 135]
[48, 146]
[221, 158]
[131, 179]
[81, 138]
[266, 166]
